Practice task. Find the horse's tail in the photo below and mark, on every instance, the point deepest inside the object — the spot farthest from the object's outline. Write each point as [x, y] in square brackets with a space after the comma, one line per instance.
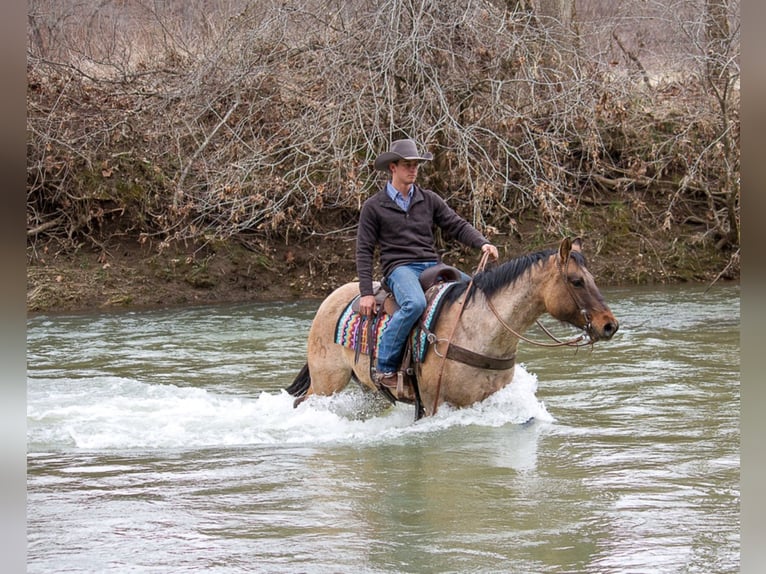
[301, 384]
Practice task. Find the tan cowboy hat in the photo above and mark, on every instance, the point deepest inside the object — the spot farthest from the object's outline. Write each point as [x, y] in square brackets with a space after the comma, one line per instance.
[400, 149]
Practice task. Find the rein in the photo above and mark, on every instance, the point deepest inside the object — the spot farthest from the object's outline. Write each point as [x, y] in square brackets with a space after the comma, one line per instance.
[482, 264]
[575, 342]
[558, 342]
[465, 355]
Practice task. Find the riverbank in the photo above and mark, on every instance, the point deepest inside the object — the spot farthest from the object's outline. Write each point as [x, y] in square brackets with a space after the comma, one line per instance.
[194, 172]
[132, 275]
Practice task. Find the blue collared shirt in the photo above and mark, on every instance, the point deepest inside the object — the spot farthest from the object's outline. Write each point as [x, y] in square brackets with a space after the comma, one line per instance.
[401, 201]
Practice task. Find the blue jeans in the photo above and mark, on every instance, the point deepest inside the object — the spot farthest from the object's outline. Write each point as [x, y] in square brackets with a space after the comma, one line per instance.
[404, 284]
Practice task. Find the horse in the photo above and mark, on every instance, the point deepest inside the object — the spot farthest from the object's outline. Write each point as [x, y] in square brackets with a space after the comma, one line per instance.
[474, 338]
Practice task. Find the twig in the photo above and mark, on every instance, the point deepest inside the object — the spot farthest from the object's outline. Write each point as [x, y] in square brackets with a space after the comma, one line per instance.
[633, 58]
[44, 226]
[733, 259]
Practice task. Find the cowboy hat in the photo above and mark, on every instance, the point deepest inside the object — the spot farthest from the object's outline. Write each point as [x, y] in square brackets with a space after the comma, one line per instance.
[400, 149]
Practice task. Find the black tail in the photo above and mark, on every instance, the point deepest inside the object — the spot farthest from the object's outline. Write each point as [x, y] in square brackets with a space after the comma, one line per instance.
[301, 384]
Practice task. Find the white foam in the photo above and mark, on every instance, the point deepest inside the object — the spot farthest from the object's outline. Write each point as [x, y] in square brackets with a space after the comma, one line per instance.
[123, 414]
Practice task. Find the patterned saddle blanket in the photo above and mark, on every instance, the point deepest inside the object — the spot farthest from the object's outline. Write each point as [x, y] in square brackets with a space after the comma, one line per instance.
[351, 333]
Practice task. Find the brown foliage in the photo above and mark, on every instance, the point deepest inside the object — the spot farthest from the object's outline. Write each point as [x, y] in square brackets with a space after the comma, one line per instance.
[221, 119]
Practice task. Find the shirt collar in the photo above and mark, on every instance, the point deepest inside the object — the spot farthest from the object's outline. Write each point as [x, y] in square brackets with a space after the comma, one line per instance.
[397, 197]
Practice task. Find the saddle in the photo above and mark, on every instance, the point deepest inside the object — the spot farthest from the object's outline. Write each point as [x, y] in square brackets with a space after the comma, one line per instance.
[407, 387]
[439, 273]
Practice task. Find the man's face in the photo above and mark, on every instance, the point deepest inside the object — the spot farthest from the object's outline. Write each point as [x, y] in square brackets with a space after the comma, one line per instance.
[404, 171]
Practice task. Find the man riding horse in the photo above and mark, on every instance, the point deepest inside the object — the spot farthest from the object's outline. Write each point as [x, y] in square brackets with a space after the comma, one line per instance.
[400, 220]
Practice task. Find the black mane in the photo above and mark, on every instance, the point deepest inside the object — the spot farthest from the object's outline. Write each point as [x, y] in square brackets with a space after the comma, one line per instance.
[493, 280]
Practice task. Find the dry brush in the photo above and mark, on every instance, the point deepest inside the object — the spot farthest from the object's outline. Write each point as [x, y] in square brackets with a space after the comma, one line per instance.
[181, 121]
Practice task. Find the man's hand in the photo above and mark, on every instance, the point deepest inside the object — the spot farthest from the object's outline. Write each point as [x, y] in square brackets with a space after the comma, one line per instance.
[491, 249]
[367, 305]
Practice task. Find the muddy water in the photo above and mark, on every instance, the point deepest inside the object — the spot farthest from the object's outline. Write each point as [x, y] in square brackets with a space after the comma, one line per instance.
[161, 442]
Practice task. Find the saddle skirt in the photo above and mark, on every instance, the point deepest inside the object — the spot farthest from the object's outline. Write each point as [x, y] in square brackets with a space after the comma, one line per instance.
[352, 330]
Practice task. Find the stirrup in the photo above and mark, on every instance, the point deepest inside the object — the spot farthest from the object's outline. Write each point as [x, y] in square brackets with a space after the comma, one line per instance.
[382, 389]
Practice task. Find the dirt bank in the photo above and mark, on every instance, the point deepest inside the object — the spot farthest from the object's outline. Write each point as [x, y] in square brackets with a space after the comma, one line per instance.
[130, 275]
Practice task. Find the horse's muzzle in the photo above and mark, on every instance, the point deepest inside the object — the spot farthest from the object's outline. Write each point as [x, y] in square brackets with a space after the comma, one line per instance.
[603, 332]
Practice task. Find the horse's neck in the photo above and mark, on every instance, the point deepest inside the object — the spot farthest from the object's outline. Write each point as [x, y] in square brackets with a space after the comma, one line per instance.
[518, 306]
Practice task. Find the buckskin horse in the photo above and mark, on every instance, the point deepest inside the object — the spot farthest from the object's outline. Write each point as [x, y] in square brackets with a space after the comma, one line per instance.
[468, 351]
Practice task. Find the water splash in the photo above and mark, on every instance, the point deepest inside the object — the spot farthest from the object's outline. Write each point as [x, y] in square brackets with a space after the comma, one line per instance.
[117, 413]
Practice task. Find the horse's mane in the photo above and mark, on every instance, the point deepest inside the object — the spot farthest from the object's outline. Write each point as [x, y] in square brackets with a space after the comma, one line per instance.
[493, 280]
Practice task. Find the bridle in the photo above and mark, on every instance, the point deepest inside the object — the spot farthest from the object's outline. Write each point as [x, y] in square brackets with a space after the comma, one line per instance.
[578, 341]
[582, 340]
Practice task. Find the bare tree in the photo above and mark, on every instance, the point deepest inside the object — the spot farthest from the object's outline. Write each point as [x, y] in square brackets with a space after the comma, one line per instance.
[722, 75]
[207, 120]
[715, 61]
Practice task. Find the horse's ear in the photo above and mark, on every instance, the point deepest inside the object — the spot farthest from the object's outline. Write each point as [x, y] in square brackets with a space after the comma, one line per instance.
[565, 248]
[577, 244]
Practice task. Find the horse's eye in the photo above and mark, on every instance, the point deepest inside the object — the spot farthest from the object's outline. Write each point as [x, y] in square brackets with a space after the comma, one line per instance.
[577, 282]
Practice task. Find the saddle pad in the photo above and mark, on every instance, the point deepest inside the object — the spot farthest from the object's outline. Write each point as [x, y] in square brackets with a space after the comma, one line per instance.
[347, 329]
[419, 334]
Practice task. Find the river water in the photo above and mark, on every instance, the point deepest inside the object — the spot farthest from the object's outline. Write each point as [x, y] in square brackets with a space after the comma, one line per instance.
[161, 441]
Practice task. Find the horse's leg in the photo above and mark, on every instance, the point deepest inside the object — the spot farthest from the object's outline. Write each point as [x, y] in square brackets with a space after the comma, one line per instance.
[458, 384]
[330, 372]
[329, 364]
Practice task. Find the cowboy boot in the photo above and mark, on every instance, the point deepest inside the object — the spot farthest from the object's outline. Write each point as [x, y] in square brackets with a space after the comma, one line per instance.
[396, 385]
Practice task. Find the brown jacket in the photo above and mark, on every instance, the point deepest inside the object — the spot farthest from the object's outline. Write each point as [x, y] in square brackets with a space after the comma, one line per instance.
[406, 236]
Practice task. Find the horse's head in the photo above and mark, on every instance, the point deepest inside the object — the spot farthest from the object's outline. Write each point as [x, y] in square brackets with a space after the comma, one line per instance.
[574, 297]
